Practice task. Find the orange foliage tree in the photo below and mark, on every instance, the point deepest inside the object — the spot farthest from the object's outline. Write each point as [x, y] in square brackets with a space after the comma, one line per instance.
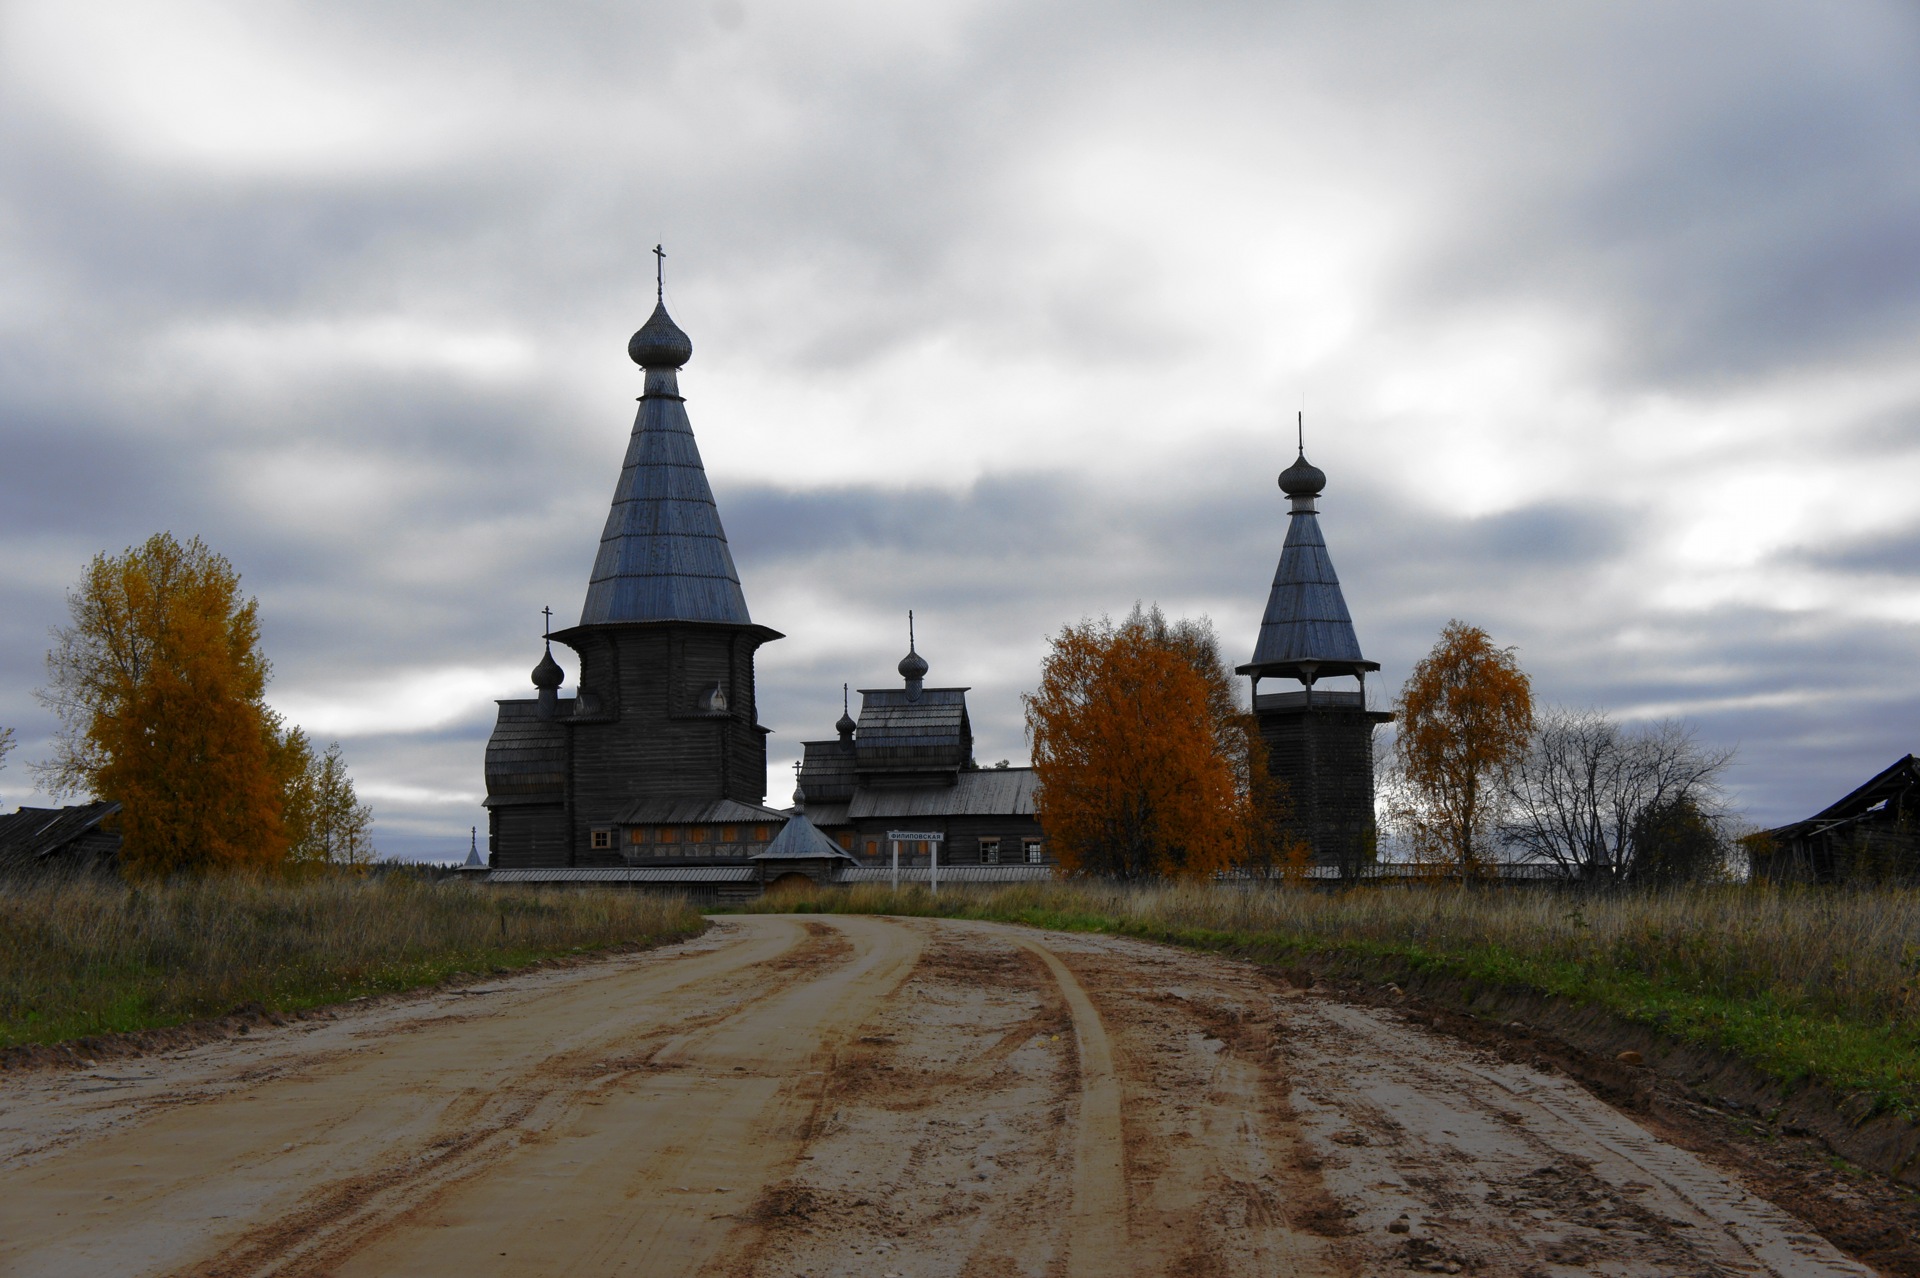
[1465, 720]
[159, 685]
[1140, 751]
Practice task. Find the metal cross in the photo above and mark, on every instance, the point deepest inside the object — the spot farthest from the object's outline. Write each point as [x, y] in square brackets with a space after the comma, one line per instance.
[660, 273]
[547, 630]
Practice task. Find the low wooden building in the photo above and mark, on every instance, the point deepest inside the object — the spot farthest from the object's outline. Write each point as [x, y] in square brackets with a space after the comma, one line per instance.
[907, 765]
[1870, 836]
[77, 839]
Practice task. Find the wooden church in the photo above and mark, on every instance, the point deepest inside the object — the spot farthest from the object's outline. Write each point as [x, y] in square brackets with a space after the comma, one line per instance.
[654, 771]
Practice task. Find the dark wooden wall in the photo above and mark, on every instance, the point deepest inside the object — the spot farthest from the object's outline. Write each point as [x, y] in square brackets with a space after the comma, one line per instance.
[641, 733]
[1322, 758]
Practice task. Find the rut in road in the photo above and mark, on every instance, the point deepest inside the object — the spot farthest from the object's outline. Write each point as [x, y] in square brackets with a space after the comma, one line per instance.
[863, 1096]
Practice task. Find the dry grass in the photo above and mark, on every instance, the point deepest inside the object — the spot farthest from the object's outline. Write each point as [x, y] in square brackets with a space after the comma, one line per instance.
[93, 957]
[1805, 983]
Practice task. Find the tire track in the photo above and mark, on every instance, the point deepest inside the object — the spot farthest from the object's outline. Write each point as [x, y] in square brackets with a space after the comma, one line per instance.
[1097, 1235]
[681, 1145]
[336, 1218]
[323, 1134]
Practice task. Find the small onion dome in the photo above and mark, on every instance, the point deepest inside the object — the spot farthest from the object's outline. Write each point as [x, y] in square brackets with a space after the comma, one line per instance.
[846, 725]
[660, 343]
[548, 673]
[1302, 479]
[913, 666]
[799, 797]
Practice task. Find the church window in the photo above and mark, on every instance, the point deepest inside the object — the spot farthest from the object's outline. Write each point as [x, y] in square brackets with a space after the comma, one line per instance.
[730, 834]
[762, 833]
[989, 851]
[846, 839]
[873, 847]
[1033, 851]
[602, 839]
[697, 834]
[637, 834]
[669, 834]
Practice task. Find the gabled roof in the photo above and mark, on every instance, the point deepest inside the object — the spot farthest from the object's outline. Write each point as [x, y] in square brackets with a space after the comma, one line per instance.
[986, 792]
[1903, 775]
[827, 771]
[699, 812]
[902, 733]
[34, 834]
[663, 555]
[1306, 629]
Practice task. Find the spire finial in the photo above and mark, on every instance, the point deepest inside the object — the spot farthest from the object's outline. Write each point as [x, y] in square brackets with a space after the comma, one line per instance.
[659, 273]
[913, 666]
[546, 628]
[845, 727]
[1300, 425]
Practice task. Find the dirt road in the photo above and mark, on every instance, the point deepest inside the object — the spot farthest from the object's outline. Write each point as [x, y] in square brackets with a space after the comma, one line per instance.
[860, 1096]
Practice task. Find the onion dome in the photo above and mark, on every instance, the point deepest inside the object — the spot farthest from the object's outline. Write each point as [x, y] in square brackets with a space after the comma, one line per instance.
[1302, 479]
[913, 666]
[845, 725]
[660, 343]
[548, 673]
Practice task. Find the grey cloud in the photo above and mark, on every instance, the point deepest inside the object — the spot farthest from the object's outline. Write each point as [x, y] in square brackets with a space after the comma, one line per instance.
[1723, 192]
[1895, 554]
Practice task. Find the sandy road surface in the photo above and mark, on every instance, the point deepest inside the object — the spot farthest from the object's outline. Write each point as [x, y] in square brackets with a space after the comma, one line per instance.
[847, 1095]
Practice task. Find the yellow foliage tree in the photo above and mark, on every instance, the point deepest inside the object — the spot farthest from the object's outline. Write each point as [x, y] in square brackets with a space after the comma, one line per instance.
[159, 684]
[1465, 720]
[1139, 750]
[325, 821]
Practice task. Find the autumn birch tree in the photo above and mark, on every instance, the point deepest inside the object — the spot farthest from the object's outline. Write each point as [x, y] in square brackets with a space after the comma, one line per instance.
[1139, 750]
[1465, 719]
[159, 684]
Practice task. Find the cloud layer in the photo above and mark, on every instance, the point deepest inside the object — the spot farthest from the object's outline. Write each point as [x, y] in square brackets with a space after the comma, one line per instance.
[1603, 319]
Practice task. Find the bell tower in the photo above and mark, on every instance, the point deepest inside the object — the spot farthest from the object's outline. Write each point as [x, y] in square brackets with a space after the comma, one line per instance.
[1319, 740]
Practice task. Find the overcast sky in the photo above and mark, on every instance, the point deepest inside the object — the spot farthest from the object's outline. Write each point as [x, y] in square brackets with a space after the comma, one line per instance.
[1606, 318]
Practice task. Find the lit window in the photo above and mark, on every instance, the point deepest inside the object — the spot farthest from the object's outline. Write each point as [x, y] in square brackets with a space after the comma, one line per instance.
[637, 834]
[602, 839]
[669, 834]
[730, 834]
[1033, 851]
[762, 833]
[989, 851]
[698, 834]
[873, 847]
[846, 839]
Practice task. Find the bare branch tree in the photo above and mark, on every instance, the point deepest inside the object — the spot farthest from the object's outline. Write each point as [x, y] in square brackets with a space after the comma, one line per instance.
[1594, 798]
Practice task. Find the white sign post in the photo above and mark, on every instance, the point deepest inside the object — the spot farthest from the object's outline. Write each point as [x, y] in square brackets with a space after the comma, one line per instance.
[933, 837]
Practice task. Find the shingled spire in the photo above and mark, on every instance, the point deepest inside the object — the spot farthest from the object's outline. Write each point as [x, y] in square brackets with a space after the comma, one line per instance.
[663, 555]
[1307, 633]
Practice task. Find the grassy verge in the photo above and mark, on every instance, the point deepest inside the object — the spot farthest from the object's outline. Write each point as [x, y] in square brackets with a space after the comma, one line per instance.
[1805, 985]
[101, 957]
